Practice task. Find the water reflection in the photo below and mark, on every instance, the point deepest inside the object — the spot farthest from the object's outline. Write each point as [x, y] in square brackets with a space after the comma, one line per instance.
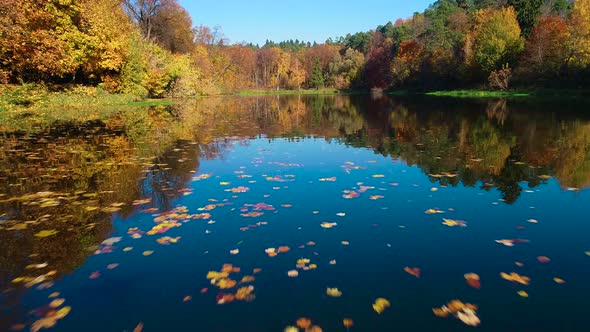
[70, 178]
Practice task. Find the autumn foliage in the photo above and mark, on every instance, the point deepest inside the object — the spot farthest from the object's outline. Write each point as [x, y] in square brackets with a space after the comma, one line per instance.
[153, 48]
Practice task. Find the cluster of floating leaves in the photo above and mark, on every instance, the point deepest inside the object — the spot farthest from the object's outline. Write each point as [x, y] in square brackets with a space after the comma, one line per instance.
[221, 279]
[465, 312]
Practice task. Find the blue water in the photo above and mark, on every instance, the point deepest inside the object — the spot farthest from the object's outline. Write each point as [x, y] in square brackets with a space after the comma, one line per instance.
[384, 235]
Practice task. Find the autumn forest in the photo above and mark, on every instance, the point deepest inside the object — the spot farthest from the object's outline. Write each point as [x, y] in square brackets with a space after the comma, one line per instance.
[152, 48]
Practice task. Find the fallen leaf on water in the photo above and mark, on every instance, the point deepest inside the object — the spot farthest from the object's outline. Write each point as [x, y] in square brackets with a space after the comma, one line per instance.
[412, 271]
[127, 249]
[56, 303]
[434, 211]
[465, 312]
[291, 329]
[53, 295]
[543, 259]
[378, 176]
[472, 280]
[345, 243]
[523, 293]
[148, 252]
[328, 224]
[247, 279]
[380, 305]
[515, 277]
[347, 322]
[454, 223]
[187, 298]
[293, 273]
[304, 322]
[94, 275]
[138, 328]
[333, 292]
[234, 251]
[112, 266]
[50, 320]
[559, 280]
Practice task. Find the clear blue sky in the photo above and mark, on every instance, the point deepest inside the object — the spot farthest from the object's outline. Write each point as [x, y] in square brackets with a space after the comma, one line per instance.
[309, 20]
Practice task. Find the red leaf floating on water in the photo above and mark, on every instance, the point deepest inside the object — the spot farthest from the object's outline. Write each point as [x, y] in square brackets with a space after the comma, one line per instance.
[473, 280]
[544, 259]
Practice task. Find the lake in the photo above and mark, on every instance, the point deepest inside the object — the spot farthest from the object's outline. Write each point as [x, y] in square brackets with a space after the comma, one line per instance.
[285, 213]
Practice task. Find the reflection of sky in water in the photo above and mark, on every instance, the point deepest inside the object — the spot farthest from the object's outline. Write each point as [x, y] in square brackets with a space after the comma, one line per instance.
[385, 235]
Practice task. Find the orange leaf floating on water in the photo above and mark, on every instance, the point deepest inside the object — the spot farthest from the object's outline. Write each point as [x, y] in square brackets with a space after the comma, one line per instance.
[543, 259]
[345, 243]
[256, 270]
[347, 322]
[225, 298]
[310, 243]
[412, 271]
[472, 280]
[314, 328]
[376, 197]
[234, 251]
[148, 252]
[515, 277]
[380, 305]
[187, 298]
[293, 273]
[283, 249]
[304, 322]
[519, 264]
[247, 279]
[245, 294]
[559, 280]
[139, 327]
[465, 312]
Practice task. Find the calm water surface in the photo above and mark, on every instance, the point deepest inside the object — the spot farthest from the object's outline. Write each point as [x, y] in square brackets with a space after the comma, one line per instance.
[109, 224]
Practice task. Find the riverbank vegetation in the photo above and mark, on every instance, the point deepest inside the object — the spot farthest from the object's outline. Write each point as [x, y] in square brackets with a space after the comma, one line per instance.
[151, 48]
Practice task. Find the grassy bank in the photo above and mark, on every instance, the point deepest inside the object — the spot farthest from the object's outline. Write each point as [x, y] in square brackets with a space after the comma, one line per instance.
[292, 92]
[517, 93]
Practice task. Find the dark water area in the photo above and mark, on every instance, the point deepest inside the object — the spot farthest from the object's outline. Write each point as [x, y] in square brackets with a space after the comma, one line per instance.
[250, 213]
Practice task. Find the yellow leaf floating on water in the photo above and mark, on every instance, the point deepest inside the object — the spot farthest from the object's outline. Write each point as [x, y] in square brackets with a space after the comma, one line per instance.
[245, 294]
[226, 283]
[328, 224]
[378, 176]
[148, 252]
[46, 233]
[217, 275]
[380, 305]
[454, 223]
[333, 292]
[559, 280]
[56, 303]
[247, 279]
[515, 277]
[523, 293]
[291, 329]
[50, 320]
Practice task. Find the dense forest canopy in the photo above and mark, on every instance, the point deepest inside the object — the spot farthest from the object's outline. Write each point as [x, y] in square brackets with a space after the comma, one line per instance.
[153, 48]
